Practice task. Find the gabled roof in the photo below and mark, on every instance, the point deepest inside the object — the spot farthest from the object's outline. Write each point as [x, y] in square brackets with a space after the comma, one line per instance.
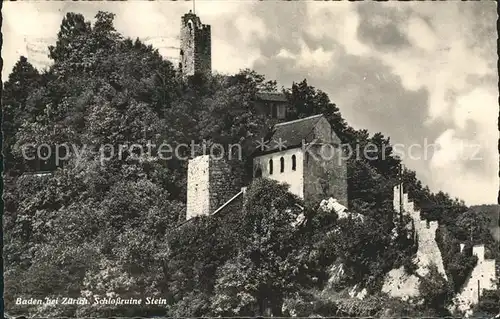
[291, 134]
[271, 96]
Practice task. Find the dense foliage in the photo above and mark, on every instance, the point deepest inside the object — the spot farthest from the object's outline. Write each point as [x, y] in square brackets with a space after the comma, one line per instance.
[103, 227]
[434, 289]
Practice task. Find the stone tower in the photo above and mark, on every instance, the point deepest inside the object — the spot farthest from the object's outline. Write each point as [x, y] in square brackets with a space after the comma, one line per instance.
[195, 46]
[211, 182]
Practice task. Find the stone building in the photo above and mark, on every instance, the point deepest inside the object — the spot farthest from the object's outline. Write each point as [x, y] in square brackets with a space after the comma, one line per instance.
[211, 183]
[196, 58]
[305, 154]
[309, 160]
[272, 104]
[195, 46]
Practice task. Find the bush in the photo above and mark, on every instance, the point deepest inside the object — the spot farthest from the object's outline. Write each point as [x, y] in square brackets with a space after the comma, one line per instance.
[434, 289]
[409, 266]
[460, 267]
[489, 303]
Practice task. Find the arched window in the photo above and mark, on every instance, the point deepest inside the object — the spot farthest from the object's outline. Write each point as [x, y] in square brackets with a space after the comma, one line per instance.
[294, 163]
[270, 167]
[282, 165]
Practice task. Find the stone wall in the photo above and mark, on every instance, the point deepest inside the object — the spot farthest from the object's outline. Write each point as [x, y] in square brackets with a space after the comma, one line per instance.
[323, 131]
[203, 50]
[198, 183]
[225, 182]
[195, 46]
[483, 277]
[211, 183]
[325, 167]
[325, 174]
[398, 283]
[294, 178]
[428, 251]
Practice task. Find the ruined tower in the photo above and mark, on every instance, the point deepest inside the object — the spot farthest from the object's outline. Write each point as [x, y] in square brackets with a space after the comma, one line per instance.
[211, 182]
[195, 46]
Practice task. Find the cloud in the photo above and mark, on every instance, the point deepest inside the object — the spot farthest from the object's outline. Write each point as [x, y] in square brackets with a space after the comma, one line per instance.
[382, 28]
[414, 71]
[421, 35]
[156, 22]
[337, 25]
[418, 73]
[467, 151]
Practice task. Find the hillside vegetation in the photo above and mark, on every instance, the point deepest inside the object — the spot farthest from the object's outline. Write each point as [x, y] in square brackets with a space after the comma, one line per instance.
[491, 212]
[101, 229]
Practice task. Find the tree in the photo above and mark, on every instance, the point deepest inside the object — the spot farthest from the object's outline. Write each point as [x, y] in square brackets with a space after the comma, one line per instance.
[72, 27]
[18, 107]
[473, 226]
[306, 100]
[89, 97]
[269, 259]
[110, 226]
[434, 290]
[488, 304]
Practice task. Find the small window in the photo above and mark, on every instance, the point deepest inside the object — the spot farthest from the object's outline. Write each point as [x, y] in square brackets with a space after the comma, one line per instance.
[282, 165]
[270, 167]
[294, 163]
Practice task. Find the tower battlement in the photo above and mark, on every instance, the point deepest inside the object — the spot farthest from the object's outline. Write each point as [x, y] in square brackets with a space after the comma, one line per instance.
[478, 251]
[195, 46]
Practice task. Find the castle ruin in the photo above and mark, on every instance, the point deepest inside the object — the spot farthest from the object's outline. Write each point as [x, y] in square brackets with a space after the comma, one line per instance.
[483, 277]
[214, 184]
[308, 160]
[211, 182]
[195, 46]
[402, 285]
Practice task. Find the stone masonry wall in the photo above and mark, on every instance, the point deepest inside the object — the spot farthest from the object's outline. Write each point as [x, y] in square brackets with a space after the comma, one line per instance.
[225, 182]
[483, 277]
[398, 283]
[198, 183]
[325, 174]
[195, 46]
[211, 182]
[203, 50]
[325, 167]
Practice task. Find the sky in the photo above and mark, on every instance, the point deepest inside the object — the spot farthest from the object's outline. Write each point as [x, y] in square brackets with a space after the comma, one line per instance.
[423, 73]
